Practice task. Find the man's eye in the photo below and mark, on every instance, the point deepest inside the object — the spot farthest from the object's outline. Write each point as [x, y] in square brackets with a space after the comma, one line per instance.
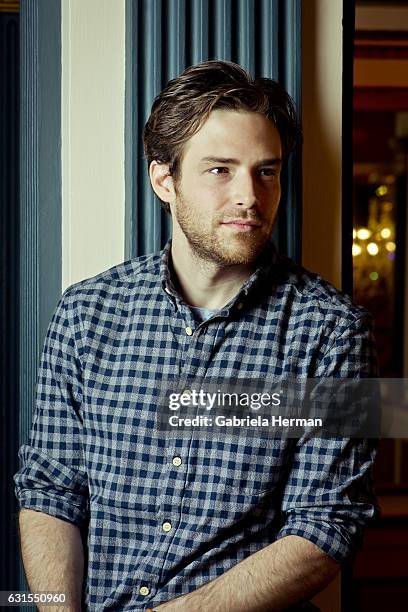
[268, 172]
[219, 170]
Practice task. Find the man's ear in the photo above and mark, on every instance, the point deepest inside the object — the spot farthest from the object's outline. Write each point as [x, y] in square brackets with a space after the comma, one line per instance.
[162, 181]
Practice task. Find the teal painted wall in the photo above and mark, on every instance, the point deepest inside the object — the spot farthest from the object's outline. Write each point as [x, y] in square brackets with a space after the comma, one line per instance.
[40, 197]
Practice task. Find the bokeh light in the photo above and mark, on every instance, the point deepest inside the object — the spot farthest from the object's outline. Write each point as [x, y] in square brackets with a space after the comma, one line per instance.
[385, 232]
[381, 190]
[372, 248]
[363, 233]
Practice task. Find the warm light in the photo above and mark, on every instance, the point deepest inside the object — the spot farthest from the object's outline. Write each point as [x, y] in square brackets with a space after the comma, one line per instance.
[363, 233]
[372, 248]
[356, 250]
[390, 246]
[373, 276]
[381, 190]
[354, 234]
[385, 232]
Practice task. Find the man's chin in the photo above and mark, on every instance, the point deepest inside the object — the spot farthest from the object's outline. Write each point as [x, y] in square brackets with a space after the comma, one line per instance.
[240, 254]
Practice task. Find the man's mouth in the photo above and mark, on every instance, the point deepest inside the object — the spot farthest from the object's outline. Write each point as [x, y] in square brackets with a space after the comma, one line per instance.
[242, 224]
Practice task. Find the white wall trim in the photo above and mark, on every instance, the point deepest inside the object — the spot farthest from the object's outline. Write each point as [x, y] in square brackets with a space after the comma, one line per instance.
[93, 156]
[322, 70]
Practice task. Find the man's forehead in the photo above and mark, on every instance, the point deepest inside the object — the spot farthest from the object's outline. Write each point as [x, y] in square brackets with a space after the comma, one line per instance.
[222, 119]
[226, 131]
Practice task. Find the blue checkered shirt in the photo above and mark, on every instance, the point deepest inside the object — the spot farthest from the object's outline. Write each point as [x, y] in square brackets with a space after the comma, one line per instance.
[165, 514]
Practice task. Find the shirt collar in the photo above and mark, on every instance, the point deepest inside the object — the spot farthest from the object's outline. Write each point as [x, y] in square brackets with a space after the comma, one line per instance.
[263, 267]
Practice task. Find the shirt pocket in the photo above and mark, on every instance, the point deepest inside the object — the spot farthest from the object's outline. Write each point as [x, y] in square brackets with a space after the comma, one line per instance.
[241, 466]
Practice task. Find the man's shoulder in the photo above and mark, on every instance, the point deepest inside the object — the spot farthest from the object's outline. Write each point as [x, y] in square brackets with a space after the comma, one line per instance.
[118, 279]
[313, 293]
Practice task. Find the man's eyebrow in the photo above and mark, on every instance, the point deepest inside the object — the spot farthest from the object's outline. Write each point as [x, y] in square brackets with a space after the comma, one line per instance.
[272, 161]
[219, 160]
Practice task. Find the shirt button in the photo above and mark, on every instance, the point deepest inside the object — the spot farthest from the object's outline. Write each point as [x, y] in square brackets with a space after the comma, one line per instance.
[176, 461]
[166, 527]
[144, 590]
[189, 331]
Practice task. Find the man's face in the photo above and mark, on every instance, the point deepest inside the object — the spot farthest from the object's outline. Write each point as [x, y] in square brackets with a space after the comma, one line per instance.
[228, 194]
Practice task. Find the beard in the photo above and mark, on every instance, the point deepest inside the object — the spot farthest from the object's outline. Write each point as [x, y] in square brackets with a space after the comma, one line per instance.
[212, 242]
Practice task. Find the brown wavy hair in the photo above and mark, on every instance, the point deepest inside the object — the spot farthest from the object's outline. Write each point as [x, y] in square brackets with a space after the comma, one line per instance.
[183, 106]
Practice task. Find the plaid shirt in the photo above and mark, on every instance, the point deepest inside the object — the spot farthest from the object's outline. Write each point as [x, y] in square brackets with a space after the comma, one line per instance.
[164, 515]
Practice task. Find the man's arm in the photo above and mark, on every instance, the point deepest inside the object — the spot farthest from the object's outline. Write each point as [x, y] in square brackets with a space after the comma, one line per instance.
[288, 571]
[53, 557]
[52, 486]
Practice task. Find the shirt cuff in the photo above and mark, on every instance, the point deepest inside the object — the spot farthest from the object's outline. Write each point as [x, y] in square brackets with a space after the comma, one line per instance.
[333, 539]
[52, 505]
[47, 485]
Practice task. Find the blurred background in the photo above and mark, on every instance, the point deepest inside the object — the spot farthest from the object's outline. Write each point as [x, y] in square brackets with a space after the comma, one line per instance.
[380, 260]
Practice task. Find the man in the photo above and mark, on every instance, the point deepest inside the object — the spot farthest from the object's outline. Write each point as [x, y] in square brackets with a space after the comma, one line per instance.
[195, 523]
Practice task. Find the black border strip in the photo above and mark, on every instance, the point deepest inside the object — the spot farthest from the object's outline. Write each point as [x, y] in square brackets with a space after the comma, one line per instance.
[347, 211]
[347, 148]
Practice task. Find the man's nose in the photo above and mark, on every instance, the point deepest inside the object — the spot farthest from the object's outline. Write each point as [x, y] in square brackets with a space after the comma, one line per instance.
[244, 190]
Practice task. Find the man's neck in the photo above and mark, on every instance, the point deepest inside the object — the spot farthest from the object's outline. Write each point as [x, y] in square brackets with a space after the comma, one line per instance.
[206, 284]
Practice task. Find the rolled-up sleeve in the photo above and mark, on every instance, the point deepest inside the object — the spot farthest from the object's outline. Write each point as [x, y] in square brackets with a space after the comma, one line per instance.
[52, 478]
[329, 498]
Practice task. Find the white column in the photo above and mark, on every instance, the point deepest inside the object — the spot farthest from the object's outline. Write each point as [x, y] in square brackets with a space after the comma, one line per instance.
[93, 104]
[322, 127]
